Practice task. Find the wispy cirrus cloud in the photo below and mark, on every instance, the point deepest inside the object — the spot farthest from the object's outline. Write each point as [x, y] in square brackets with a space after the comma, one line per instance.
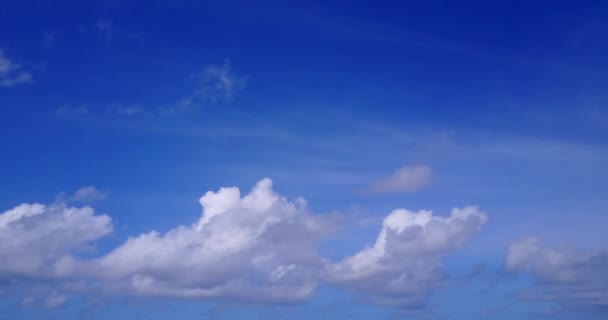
[220, 82]
[13, 73]
[216, 83]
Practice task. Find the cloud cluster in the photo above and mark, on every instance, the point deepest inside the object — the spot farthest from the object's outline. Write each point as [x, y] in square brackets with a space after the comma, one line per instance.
[404, 264]
[405, 179]
[565, 275]
[254, 247]
[12, 73]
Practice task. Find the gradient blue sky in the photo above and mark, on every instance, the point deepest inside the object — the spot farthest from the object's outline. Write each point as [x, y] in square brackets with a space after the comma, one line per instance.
[359, 108]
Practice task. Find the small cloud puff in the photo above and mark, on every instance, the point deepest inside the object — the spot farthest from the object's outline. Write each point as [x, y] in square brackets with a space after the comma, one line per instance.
[88, 194]
[405, 179]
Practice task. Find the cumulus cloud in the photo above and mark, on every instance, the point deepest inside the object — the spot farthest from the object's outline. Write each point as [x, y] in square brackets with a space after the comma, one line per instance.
[404, 264]
[566, 275]
[38, 241]
[12, 73]
[257, 247]
[405, 179]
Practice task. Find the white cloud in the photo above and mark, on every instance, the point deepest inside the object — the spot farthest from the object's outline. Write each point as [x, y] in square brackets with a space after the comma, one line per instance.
[405, 179]
[88, 194]
[257, 247]
[37, 241]
[566, 275]
[12, 73]
[404, 264]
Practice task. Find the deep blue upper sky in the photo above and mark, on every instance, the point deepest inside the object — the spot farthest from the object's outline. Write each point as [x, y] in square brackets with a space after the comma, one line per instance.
[358, 107]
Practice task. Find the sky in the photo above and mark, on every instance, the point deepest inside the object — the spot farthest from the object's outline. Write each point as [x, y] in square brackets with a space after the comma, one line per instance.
[297, 160]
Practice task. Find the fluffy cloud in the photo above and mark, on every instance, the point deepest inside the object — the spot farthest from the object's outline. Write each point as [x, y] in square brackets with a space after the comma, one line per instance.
[12, 73]
[37, 241]
[258, 247]
[566, 275]
[404, 264]
[405, 179]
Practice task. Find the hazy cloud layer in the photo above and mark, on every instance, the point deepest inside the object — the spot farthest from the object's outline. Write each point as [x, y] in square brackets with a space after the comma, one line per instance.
[569, 276]
[12, 73]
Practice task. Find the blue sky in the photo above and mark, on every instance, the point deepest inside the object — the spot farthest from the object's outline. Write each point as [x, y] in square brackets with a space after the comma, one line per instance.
[156, 156]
